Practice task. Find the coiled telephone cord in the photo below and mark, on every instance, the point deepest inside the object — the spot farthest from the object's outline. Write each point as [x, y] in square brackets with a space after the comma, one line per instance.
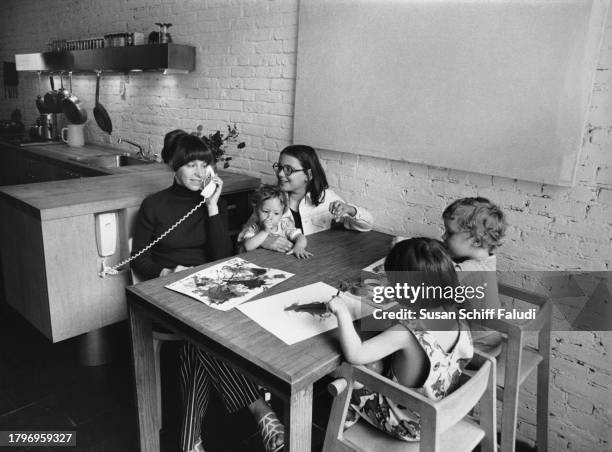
[114, 270]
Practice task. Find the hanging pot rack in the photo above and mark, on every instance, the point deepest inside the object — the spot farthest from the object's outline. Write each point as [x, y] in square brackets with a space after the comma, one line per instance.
[165, 58]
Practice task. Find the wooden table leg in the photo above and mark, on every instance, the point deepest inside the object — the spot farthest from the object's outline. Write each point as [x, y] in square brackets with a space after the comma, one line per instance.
[298, 421]
[144, 377]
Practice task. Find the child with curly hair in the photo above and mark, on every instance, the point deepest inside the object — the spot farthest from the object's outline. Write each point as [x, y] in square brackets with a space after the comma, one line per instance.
[473, 230]
[269, 208]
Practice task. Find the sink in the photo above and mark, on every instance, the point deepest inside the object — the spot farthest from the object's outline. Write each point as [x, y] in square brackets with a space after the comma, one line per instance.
[111, 160]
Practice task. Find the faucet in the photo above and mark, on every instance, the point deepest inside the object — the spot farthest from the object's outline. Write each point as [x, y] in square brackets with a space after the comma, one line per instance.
[140, 152]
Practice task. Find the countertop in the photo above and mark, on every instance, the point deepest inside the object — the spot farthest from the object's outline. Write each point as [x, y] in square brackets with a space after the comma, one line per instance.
[117, 189]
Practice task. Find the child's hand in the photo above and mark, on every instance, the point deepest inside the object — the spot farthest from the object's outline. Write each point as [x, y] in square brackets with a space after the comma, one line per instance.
[340, 209]
[277, 243]
[300, 252]
[336, 305]
[267, 225]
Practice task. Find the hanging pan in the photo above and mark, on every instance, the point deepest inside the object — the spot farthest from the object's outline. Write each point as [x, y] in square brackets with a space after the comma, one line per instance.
[100, 113]
[40, 103]
[72, 107]
[50, 99]
[62, 93]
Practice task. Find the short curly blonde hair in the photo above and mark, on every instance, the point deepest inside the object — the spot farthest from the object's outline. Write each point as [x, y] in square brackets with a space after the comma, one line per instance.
[266, 192]
[485, 222]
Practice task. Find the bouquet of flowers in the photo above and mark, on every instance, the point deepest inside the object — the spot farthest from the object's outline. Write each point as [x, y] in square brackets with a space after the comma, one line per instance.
[218, 142]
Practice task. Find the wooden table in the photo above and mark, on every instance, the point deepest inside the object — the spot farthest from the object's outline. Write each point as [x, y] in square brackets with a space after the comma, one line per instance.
[287, 371]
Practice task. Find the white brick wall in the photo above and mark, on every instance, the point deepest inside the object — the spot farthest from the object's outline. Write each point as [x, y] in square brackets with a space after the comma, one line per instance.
[246, 74]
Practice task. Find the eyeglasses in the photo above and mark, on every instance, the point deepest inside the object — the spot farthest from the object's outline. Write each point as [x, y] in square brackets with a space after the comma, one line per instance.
[288, 170]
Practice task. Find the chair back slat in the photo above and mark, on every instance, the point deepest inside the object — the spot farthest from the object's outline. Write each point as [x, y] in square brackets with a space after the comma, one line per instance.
[457, 405]
[438, 418]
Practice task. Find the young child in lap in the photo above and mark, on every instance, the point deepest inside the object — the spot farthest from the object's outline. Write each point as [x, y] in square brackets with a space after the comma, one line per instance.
[473, 229]
[428, 355]
[269, 208]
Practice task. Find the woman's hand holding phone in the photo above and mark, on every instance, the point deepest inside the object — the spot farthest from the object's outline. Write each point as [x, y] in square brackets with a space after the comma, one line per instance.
[208, 186]
[212, 191]
[218, 183]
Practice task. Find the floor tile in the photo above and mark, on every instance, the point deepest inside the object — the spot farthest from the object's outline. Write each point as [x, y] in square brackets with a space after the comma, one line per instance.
[111, 431]
[35, 417]
[5, 402]
[28, 385]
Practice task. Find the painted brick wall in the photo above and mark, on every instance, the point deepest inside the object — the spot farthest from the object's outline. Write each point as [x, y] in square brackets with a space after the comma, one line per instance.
[246, 53]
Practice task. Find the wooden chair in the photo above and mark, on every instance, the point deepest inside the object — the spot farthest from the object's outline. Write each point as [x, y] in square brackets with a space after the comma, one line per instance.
[159, 337]
[444, 423]
[518, 361]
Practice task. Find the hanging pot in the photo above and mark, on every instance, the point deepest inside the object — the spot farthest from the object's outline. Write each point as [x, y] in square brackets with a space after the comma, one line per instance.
[50, 99]
[62, 93]
[72, 107]
[40, 103]
[100, 113]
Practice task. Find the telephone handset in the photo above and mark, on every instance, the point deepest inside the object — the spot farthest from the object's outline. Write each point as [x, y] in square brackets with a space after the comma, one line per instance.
[208, 185]
[208, 190]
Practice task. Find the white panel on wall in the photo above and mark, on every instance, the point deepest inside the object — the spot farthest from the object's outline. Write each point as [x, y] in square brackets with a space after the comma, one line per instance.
[498, 87]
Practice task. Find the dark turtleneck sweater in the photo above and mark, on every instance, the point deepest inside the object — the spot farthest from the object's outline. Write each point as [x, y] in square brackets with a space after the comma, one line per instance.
[197, 240]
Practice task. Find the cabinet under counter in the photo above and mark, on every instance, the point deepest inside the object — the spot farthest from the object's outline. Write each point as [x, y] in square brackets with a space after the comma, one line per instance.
[48, 249]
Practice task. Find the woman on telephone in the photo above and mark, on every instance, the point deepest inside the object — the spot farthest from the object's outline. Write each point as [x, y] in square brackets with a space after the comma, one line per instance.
[201, 237]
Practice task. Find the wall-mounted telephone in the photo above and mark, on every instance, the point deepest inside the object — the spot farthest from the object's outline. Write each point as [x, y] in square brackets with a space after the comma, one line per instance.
[106, 233]
[208, 190]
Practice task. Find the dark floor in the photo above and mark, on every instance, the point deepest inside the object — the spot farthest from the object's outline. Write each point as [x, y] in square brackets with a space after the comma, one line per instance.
[43, 387]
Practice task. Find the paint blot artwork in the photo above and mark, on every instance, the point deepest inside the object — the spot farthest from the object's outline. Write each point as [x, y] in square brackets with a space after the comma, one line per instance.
[319, 308]
[229, 284]
[301, 313]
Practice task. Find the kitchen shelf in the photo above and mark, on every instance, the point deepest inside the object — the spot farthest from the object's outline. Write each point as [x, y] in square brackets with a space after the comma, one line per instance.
[165, 58]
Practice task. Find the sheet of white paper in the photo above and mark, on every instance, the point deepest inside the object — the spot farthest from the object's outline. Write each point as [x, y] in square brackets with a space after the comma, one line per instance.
[291, 326]
[228, 284]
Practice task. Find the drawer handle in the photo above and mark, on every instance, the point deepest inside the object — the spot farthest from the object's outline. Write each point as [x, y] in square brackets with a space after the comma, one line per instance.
[231, 206]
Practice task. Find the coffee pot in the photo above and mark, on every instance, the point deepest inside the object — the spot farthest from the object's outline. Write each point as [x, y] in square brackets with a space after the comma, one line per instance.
[47, 128]
[44, 128]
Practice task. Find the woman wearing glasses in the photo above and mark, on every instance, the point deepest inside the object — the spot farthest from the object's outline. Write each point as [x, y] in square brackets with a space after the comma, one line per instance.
[313, 205]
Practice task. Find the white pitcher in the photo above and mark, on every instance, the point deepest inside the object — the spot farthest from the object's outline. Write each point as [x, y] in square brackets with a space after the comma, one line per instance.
[76, 136]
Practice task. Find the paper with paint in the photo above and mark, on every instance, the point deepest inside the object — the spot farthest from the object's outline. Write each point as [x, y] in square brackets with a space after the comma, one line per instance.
[229, 284]
[282, 316]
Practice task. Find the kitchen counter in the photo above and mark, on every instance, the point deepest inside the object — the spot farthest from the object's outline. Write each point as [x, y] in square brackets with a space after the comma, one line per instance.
[60, 152]
[48, 247]
[120, 188]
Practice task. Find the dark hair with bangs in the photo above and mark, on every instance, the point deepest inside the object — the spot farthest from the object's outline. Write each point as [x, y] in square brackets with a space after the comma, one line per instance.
[485, 222]
[189, 148]
[422, 260]
[310, 161]
[266, 192]
[170, 140]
